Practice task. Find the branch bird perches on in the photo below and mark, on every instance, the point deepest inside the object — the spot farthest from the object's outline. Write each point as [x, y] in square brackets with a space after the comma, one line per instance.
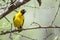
[12, 31]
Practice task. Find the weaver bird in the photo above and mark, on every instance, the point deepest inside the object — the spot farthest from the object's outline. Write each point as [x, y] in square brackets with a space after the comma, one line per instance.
[18, 19]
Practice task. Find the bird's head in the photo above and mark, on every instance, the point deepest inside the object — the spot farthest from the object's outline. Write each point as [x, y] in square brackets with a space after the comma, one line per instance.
[23, 11]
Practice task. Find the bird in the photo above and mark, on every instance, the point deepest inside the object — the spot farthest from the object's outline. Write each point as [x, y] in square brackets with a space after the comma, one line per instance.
[18, 19]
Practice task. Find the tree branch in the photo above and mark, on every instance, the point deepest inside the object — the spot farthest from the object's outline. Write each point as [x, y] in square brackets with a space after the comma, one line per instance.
[12, 1]
[6, 32]
[13, 7]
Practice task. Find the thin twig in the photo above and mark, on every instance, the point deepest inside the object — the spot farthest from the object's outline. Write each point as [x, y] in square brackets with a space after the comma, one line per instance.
[15, 10]
[36, 23]
[55, 16]
[31, 6]
[10, 36]
[11, 33]
[24, 36]
[7, 19]
[48, 35]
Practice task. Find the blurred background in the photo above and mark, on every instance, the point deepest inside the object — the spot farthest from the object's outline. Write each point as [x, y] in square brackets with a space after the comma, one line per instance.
[42, 15]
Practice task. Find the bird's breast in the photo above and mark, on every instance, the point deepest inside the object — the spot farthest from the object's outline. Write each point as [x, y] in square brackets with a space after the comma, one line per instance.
[18, 21]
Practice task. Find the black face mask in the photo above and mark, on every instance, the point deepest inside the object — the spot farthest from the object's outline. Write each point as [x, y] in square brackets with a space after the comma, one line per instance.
[23, 11]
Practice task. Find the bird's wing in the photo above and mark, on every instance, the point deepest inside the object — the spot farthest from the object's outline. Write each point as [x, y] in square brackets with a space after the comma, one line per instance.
[23, 22]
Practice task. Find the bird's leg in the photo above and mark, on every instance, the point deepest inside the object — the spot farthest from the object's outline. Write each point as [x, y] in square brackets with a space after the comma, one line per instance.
[20, 29]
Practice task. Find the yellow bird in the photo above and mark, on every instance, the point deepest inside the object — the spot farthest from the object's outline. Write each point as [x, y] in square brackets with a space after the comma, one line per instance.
[18, 19]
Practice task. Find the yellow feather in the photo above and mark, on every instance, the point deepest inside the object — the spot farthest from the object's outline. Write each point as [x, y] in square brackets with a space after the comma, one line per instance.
[18, 20]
